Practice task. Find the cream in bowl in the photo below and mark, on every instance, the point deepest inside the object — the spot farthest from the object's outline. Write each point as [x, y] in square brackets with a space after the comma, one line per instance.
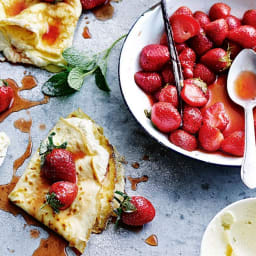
[232, 231]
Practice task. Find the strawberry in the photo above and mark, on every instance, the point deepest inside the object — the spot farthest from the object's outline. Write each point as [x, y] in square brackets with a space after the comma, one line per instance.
[156, 95]
[165, 117]
[57, 163]
[204, 73]
[135, 210]
[219, 11]
[183, 10]
[163, 39]
[233, 48]
[202, 18]
[244, 36]
[216, 116]
[249, 18]
[216, 59]
[183, 139]
[210, 138]
[217, 31]
[184, 27]
[234, 144]
[179, 47]
[149, 82]
[169, 94]
[200, 43]
[61, 195]
[187, 59]
[153, 57]
[192, 119]
[192, 94]
[6, 96]
[167, 74]
[90, 4]
[233, 22]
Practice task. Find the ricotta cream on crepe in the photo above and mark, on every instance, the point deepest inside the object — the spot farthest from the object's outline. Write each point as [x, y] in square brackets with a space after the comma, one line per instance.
[98, 172]
[36, 32]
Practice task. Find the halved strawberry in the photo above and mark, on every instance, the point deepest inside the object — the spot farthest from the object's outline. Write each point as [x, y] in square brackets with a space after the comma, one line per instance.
[183, 139]
[192, 94]
[210, 138]
[216, 116]
[200, 43]
[249, 18]
[165, 117]
[204, 73]
[216, 59]
[149, 82]
[192, 119]
[167, 74]
[219, 11]
[244, 36]
[233, 22]
[202, 18]
[217, 31]
[184, 27]
[183, 10]
[169, 94]
[153, 57]
[234, 144]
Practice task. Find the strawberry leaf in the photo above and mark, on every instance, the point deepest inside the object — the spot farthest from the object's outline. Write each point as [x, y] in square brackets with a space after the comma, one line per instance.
[54, 202]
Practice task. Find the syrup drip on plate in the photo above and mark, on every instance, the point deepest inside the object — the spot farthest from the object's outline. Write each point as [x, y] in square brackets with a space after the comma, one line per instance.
[86, 33]
[136, 181]
[20, 103]
[24, 126]
[104, 12]
[42, 127]
[152, 240]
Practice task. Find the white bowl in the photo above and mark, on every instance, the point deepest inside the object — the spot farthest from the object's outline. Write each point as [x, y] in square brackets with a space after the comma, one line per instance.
[147, 30]
[241, 214]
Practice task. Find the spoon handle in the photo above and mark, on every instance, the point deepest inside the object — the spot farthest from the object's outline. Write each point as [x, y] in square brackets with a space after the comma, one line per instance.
[248, 169]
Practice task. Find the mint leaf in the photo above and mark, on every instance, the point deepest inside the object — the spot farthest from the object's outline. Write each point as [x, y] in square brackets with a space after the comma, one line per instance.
[76, 78]
[77, 58]
[57, 85]
[100, 79]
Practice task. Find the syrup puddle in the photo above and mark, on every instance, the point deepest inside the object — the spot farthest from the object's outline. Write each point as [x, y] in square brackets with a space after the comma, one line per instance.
[152, 240]
[19, 103]
[86, 33]
[104, 12]
[25, 127]
[136, 181]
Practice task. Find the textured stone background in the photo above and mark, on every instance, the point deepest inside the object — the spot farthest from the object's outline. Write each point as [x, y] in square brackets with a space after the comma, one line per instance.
[186, 193]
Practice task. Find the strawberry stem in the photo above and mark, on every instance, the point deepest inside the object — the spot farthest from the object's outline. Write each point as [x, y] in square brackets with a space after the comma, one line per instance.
[53, 201]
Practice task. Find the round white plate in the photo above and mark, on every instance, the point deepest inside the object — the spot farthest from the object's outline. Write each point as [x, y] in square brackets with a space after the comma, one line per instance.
[147, 30]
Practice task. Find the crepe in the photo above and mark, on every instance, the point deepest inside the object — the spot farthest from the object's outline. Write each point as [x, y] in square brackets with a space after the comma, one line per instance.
[37, 32]
[98, 172]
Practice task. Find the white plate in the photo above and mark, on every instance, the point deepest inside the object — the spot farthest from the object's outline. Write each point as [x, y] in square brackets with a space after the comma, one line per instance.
[214, 238]
[147, 30]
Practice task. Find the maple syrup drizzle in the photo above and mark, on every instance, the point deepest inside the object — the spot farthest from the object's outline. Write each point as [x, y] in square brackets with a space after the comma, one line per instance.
[52, 34]
[86, 33]
[136, 181]
[152, 240]
[104, 12]
[42, 127]
[20, 103]
[16, 8]
[28, 82]
[34, 233]
[24, 126]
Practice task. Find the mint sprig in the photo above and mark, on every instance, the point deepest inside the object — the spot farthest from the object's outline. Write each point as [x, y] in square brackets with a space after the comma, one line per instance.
[79, 66]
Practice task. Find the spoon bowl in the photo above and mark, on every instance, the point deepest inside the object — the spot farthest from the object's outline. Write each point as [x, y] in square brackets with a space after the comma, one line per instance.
[245, 61]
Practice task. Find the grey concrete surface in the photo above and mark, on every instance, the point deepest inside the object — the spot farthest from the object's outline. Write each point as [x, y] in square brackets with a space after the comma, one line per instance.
[186, 193]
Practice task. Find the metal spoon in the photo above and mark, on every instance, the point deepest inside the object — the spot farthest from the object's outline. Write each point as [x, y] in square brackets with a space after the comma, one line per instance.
[245, 61]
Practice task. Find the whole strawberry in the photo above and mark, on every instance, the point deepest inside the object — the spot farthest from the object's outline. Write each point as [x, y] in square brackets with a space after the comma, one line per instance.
[192, 119]
[165, 117]
[244, 36]
[219, 11]
[167, 74]
[153, 57]
[249, 18]
[204, 73]
[169, 94]
[57, 163]
[6, 96]
[233, 22]
[135, 210]
[61, 195]
[183, 10]
[90, 4]
[202, 18]
[149, 82]
[216, 59]
[187, 59]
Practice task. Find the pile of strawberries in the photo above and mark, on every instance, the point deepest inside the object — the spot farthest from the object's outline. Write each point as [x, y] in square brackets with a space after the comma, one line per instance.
[206, 45]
